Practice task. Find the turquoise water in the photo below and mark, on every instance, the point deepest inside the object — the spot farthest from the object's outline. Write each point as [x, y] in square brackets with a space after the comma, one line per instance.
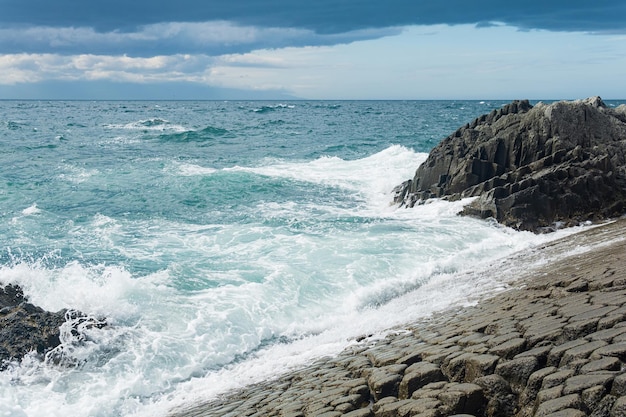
[224, 241]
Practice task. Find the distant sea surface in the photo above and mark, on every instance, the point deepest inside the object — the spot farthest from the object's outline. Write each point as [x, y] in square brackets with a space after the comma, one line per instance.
[225, 242]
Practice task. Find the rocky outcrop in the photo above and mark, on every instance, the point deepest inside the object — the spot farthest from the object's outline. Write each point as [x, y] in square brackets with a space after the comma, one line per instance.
[26, 328]
[532, 168]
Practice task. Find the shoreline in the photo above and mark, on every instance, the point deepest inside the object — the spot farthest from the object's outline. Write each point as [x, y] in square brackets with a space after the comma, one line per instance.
[553, 343]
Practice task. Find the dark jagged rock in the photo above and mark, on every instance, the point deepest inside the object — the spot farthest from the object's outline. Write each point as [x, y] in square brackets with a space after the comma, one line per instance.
[26, 328]
[531, 168]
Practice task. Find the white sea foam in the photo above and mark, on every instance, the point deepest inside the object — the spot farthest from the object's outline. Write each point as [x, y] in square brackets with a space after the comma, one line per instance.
[153, 124]
[26, 213]
[31, 210]
[98, 290]
[76, 174]
[273, 107]
[369, 297]
[372, 177]
[319, 291]
[417, 290]
[190, 170]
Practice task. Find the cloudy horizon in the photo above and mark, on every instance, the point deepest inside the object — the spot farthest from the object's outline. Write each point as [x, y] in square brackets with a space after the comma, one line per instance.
[248, 49]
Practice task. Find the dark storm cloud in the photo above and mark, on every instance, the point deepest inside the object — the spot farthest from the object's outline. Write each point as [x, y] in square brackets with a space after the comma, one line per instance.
[132, 26]
[323, 16]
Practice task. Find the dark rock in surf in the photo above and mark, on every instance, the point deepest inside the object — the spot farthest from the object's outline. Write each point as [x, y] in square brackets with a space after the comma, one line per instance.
[531, 168]
[26, 328]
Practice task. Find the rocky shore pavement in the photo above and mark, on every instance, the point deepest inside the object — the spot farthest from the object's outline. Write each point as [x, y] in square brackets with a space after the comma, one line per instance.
[552, 345]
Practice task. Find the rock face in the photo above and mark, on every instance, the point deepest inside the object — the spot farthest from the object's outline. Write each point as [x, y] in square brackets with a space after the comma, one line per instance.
[531, 167]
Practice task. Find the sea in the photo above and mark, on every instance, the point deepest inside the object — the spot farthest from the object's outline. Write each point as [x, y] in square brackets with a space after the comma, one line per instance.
[224, 242]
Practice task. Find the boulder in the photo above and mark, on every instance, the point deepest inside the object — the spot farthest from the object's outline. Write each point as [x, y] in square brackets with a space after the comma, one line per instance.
[531, 167]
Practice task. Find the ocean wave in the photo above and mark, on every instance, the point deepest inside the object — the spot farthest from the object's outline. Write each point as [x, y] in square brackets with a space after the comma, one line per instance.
[272, 108]
[96, 289]
[207, 134]
[190, 170]
[332, 106]
[401, 280]
[152, 124]
[14, 125]
[372, 177]
[369, 180]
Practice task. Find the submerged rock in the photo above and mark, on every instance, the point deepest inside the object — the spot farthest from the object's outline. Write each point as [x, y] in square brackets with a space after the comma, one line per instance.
[531, 168]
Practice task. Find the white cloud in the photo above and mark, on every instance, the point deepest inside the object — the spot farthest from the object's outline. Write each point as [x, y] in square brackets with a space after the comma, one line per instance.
[21, 68]
[255, 59]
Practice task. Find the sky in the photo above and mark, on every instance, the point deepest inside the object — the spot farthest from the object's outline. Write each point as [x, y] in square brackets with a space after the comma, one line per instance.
[327, 50]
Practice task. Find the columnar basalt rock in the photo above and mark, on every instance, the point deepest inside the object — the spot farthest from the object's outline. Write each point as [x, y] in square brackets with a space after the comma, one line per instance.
[531, 168]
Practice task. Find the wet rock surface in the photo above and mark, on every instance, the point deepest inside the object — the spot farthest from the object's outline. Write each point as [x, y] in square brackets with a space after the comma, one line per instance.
[26, 328]
[508, 356]
[531, 168]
